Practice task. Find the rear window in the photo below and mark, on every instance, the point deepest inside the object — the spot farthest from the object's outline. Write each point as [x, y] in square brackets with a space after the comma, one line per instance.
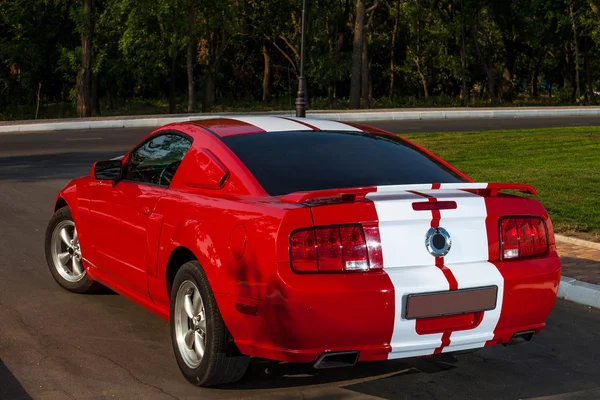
[287, 162]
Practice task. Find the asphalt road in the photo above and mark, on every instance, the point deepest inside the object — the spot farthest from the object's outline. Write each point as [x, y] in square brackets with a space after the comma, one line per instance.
[56, 345]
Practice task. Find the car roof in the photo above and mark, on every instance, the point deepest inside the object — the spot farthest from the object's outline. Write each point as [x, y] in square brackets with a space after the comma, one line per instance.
[230, 126]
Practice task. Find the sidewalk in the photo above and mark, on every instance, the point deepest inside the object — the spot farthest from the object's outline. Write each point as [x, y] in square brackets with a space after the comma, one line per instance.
[581, 274]
[581, 263]
[139, 121]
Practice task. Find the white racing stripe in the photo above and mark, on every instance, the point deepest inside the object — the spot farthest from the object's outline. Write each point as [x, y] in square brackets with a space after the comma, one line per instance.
[271, 124]
[406, 342]
[327, 125]
[409, 267]
[468, 262]
[412, 269]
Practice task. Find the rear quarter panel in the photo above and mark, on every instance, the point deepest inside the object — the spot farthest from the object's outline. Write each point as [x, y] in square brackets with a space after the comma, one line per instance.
[233, 238]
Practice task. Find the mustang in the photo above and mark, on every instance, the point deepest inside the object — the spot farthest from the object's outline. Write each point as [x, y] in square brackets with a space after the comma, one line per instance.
[306, 241]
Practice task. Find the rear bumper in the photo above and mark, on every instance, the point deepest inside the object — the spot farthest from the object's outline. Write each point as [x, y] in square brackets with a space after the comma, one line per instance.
[305, 316]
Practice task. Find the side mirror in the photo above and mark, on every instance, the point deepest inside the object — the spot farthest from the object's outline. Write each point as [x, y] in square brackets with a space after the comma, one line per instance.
[107, 170]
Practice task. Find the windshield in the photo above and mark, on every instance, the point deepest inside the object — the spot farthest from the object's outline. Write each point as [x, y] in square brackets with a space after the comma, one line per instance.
[287, 162]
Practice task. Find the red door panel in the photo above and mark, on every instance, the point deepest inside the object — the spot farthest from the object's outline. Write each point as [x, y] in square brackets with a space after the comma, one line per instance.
[122, 226]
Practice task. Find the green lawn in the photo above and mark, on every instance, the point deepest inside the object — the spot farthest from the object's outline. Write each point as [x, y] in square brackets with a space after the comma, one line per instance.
[562, 163]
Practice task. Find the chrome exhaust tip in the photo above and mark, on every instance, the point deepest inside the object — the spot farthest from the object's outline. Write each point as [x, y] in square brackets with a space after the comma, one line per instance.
[336, 360]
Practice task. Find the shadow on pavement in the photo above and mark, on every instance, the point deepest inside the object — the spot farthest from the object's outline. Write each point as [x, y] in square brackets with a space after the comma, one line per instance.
[33, 168]
[264, 374]
[10, 388]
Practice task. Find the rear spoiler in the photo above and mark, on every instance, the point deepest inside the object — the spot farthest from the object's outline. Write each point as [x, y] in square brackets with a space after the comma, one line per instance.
[357, 194]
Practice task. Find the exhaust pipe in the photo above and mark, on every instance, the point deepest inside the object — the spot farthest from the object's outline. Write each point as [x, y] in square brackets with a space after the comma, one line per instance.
[336, 360]
[521, 337]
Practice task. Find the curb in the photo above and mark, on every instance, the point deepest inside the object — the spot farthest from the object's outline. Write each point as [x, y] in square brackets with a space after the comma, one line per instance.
[347, 116]
[578, 242]
[583, 293]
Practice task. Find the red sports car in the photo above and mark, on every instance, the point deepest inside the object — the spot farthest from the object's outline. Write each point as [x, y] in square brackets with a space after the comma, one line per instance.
[305, 241]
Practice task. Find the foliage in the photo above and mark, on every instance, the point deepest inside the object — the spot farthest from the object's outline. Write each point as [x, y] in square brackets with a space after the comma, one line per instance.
[500, 50]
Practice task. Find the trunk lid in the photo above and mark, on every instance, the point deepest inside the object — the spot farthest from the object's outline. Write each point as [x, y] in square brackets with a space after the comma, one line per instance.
[409, 219]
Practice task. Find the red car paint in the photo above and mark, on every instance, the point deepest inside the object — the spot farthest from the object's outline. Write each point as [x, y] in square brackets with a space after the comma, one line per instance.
[217, 210]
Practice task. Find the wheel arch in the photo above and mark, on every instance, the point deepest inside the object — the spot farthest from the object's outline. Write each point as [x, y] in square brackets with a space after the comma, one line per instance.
[179, 256]
[60, 203]
[198, 237]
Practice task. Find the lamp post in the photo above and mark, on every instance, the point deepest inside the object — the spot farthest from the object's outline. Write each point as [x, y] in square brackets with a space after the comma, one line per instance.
[301, 96]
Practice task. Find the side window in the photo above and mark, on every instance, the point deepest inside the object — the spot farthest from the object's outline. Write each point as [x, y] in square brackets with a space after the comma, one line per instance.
[157, 160]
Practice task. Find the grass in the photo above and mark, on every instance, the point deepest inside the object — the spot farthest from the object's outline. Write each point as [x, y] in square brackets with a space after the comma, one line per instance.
[562, 163]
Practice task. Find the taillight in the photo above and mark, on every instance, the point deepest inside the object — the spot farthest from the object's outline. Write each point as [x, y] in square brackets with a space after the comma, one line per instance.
[304, 250]
[522, 237]
[329, 249]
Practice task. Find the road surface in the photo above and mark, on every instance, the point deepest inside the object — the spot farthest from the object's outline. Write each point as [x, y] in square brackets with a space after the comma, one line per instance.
[56, 345]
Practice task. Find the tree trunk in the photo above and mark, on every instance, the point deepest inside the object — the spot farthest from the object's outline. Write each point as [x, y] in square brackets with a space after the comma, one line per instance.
[357, 50]
[330, 96]
[508, 89]
[266, 89]
[489, 68]
[423, 78]
[595, 10]
[492, 84]
[365, 73]
[334, 52]
[217, 46]
[417, 60]
[463, 64]
[84, 76]
[190, 59]
[568, 72]
[172, 105]
[576, 43]
[534, 84]
[588, 73]
[209, 90]
[95, 97]
[392, 48]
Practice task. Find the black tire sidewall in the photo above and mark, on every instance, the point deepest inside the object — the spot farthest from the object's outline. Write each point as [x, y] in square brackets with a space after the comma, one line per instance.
[85, 284]
[193, 271]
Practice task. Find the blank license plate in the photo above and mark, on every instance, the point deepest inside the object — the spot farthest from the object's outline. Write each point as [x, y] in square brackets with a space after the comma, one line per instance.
[428, 305]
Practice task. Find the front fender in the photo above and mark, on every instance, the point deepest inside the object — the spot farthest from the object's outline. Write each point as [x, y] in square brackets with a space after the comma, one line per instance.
[71, 195]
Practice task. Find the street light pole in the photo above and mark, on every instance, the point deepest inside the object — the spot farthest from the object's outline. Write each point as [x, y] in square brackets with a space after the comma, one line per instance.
[301, 96]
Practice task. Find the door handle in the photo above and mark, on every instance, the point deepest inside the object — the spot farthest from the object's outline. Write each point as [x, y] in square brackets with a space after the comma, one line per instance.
[145, 210]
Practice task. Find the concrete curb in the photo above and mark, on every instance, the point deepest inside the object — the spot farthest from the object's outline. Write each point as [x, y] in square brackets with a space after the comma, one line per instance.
[343, 116]
[583, 293]
[578, 242]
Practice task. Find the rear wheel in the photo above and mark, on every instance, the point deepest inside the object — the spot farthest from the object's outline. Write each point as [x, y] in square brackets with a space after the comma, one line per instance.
[63, 254]
[203, 347]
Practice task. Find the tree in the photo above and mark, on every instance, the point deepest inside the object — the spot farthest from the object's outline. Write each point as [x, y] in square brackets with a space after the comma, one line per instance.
[486, 39]
[70, 57]
[84, 76]
[153, 38]
[191, 55]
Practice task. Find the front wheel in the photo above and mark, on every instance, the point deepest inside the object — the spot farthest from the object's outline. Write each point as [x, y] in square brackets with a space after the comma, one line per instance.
[63, 254]
[203, 347]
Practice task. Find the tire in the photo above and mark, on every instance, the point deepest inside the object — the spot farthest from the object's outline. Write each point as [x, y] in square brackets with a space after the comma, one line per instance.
[221, 362]
[64, 273]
